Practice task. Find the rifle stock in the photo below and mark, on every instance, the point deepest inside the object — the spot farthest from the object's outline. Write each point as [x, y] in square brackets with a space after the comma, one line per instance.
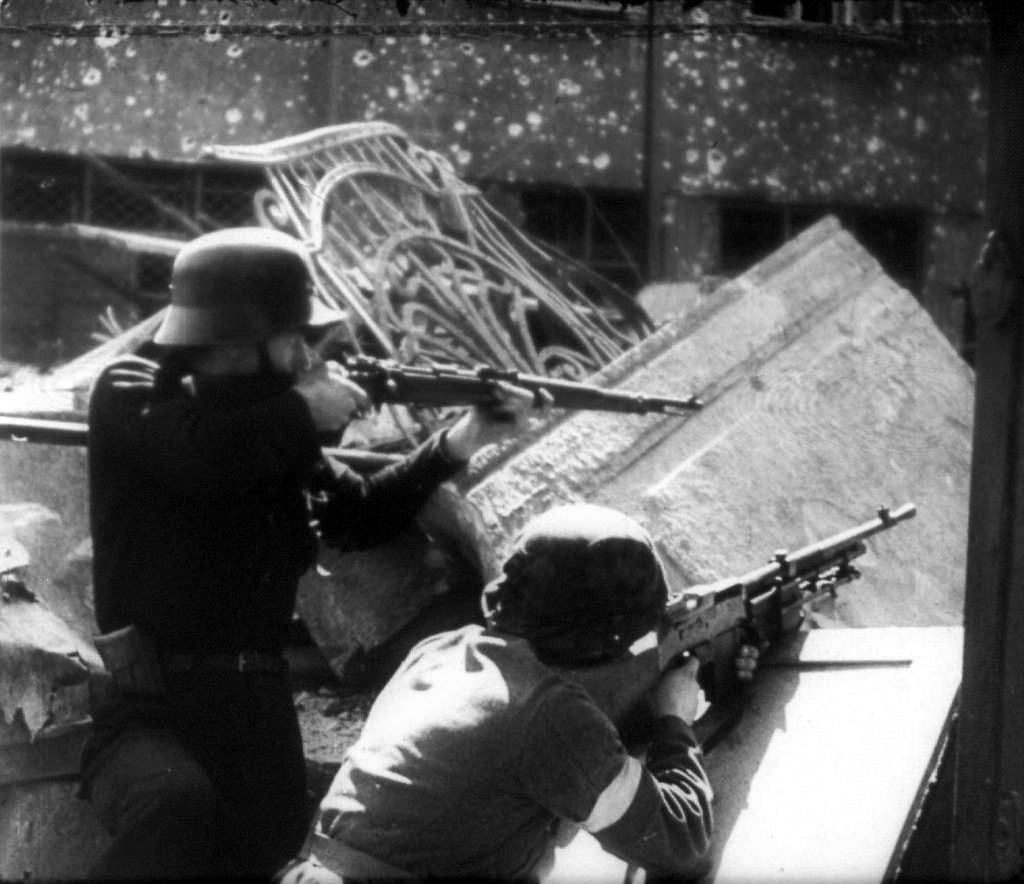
[712, 621]
[43, 432]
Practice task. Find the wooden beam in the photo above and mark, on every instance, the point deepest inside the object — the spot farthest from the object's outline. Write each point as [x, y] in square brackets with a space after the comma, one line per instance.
[990, 765]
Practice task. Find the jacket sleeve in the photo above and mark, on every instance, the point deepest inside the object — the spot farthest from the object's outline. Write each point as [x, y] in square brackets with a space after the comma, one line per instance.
[656, 814]
[666, 827]
[200, 453]
[356, 510]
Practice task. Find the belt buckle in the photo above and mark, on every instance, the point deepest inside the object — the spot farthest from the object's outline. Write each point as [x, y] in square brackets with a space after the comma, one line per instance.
[249, 661]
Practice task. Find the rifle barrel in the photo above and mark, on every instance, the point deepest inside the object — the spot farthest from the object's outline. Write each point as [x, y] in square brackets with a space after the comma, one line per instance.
[817, 555]
[885, 519]
[452, 386]
[43, 432]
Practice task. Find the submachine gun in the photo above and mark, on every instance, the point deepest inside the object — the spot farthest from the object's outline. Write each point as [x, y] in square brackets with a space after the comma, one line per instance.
[433, 386]
[711, 621]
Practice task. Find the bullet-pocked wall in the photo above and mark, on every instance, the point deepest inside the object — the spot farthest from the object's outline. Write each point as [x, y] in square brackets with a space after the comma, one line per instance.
[741, 108]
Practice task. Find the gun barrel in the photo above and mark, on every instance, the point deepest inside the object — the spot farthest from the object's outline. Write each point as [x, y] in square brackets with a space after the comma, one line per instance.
[847, 544]
[885, 520]
[573, 394]
[450, 386]
[43, 432]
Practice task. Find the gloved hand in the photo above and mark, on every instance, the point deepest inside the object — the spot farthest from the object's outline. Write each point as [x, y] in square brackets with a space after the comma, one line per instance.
[132, 660]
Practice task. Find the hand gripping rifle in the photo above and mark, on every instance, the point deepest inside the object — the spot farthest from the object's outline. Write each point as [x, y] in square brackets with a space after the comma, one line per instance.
[432, 386]
[711, 621]
[440, 385]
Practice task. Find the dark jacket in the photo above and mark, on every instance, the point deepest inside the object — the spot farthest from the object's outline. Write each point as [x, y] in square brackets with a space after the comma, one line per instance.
[200, 504]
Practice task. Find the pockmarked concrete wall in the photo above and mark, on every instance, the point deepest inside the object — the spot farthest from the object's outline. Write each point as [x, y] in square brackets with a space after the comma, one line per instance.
[508, 94]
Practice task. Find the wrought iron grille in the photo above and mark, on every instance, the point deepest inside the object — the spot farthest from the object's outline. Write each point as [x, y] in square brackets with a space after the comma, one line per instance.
[425, 267]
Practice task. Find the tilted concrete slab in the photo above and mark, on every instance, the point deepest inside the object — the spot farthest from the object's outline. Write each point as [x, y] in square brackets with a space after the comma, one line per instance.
[828, 391]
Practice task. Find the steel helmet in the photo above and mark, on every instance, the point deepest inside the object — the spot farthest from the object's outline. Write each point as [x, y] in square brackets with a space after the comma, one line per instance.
[241, 284]
[581, 584]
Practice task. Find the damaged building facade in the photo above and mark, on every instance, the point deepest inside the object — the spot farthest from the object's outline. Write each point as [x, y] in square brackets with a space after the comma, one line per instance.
[698, 149]
[653, 144]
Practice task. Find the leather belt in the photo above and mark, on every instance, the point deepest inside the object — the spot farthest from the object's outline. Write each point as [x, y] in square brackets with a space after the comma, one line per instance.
[243, 661]
[352, 864]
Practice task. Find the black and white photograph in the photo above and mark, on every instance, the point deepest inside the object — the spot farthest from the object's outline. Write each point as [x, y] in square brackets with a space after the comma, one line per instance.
[554, 441]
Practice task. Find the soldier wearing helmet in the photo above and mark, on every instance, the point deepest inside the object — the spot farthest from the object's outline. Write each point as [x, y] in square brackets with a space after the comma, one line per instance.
[206, 475]
[483, 746]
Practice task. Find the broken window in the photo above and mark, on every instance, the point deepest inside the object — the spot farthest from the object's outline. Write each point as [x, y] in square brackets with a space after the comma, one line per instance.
[603, 228]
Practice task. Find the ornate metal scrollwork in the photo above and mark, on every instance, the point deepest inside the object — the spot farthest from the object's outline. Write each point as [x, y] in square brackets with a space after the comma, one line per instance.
[425, 266]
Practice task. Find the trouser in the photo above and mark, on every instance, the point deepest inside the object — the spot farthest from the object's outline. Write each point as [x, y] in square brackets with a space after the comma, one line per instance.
[207, 782]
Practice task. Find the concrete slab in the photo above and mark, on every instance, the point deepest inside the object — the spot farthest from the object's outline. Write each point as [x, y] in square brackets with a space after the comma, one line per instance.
[829, 391]
[826, 732]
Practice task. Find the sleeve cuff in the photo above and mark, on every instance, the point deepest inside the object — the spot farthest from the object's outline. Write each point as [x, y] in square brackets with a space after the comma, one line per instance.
[672, 728]
[444, 454]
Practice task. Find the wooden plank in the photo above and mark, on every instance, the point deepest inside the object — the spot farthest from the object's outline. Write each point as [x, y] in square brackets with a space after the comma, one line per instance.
[823, 776]
[829, 763]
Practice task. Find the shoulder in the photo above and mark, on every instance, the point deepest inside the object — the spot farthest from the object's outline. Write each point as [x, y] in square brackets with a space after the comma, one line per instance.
[561, 708]
[571, 750]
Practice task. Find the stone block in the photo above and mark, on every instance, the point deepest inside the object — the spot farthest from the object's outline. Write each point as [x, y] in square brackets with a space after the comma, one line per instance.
[828, 391]
[44, 497]
[47, 833]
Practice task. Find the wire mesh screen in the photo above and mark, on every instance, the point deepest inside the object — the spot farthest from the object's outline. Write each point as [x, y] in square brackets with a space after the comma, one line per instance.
[130, 195]
[40, 192]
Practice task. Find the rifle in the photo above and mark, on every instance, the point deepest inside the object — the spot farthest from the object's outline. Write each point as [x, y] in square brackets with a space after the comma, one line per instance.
[711, 621]
[432, 386]
[447, 385]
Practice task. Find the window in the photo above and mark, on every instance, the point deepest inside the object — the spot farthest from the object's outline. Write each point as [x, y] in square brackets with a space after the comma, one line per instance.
[752, 231]
[604, 229]
[137, 195]
[837, 12]
[40, 190]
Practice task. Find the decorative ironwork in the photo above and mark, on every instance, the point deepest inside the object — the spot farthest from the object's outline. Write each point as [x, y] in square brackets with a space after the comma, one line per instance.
[424, 266]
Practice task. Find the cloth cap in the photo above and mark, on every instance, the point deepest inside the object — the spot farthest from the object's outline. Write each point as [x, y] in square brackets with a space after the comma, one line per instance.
[581, 584]
[240, 284]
